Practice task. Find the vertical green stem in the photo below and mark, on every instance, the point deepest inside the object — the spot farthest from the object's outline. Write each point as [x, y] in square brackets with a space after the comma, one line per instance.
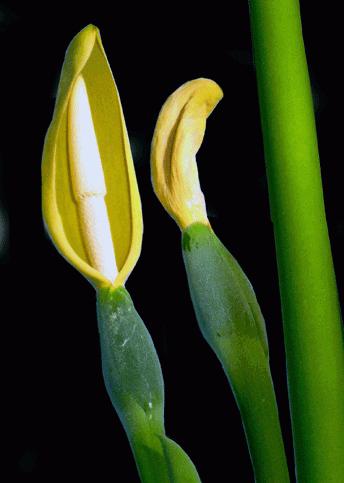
[259, 416]
[311, 314]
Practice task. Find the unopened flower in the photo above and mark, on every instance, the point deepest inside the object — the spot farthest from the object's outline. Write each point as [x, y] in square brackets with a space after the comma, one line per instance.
[177, 137]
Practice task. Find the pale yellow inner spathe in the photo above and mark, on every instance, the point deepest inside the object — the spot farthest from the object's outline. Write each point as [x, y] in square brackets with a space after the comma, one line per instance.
[177, 138]
[117, 186]
[88, 183]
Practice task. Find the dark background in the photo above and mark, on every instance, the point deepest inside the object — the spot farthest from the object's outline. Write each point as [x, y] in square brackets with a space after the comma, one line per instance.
[61, 421]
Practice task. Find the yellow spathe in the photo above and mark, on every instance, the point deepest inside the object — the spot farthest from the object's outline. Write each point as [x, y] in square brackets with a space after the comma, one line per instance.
[85, 59]
[177, 137]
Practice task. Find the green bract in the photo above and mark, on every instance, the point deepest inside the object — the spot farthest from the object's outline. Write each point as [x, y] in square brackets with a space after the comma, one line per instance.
[231, 321]
[135, 385]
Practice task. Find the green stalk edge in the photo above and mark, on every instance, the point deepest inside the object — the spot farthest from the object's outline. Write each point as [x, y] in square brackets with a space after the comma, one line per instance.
[311, 313]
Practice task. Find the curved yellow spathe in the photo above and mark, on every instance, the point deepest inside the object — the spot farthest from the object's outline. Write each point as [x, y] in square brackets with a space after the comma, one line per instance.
[177, 137]
[85, 59]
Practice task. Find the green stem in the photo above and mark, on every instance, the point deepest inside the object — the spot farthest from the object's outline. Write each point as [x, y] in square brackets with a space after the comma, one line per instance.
[311, 313]
[259, 414]
[148, 454]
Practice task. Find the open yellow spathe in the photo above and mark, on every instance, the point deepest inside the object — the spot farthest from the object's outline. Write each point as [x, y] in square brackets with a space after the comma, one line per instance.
[177, 137]
[86, 61]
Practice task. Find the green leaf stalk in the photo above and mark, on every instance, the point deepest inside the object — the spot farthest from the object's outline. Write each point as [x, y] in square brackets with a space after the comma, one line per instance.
[311, 314]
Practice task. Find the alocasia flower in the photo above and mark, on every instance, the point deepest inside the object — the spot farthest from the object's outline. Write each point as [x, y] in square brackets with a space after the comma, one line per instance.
[92, 211]
[224, 301]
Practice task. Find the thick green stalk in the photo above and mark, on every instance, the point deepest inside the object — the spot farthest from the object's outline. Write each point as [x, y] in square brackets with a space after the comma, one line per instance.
[231, 322]
[311, 313]
[134, 382]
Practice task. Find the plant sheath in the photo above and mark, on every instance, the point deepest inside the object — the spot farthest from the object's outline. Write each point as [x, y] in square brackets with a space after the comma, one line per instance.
[134, 382]
[231, 321]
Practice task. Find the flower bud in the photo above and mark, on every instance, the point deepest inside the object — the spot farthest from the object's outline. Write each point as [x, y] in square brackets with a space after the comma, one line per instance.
[178, 136]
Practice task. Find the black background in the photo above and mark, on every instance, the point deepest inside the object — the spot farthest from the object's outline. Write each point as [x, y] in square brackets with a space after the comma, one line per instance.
[61, 421]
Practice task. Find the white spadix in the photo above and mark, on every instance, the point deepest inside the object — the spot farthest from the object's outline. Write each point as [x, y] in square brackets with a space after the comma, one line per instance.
[88, 183]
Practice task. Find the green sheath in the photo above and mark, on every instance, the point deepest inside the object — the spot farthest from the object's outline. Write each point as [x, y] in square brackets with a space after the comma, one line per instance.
[134, 382]
[232, 323]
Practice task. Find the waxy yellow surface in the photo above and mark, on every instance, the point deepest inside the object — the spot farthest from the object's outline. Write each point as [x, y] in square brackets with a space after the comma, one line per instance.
[86, 57]
[177, 137]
